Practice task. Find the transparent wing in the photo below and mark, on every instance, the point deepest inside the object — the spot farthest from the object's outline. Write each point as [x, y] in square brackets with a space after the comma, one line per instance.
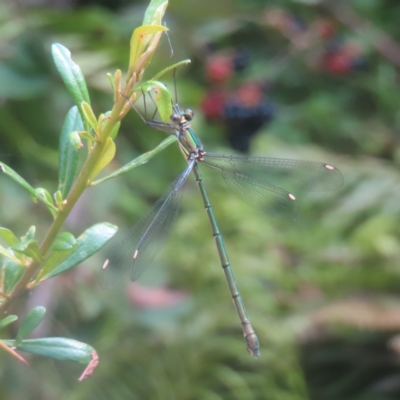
[290, 175]
[161, 126]
[271, 184]
[138, 248]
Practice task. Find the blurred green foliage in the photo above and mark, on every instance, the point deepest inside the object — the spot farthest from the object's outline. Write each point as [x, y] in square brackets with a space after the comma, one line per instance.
[322, 292]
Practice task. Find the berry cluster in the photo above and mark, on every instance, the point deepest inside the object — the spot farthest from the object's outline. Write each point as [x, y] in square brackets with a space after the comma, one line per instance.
[338, 57]
[342, 58]
[220, 68]
[243, 110]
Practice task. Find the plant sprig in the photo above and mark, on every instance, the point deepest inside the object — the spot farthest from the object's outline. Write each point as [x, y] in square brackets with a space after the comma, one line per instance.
[24, 262]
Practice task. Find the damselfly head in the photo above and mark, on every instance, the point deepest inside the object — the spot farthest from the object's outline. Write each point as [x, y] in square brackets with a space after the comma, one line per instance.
[188, 114]
[175, 118]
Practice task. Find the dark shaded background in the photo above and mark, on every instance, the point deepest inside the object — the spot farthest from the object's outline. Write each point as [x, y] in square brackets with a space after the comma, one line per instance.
[322, 292]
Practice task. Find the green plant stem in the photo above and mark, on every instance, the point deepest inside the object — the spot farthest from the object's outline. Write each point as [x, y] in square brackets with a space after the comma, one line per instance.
[81, 183]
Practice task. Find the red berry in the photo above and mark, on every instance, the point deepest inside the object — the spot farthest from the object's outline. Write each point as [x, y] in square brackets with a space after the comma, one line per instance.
[250, 94]
[213, 105]
[219, 69]
[337, 63]
[325, 29]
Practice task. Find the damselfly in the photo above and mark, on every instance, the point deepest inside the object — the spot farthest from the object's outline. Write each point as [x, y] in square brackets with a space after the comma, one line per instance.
[265, 183]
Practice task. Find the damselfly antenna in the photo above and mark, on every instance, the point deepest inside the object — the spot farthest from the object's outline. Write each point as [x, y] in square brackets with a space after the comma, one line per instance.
[176, 91]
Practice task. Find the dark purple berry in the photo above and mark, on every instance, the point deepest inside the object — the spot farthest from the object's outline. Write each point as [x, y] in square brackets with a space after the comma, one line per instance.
[241, 59]
[243, 122]
[358, 64]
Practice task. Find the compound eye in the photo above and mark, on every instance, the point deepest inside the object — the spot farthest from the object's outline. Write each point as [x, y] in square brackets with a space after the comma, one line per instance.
[188, 114]
[175, 118]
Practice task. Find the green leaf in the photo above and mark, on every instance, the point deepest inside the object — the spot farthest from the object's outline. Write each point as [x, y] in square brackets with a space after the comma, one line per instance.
[22, 182]
[143, 159]
[71, 75]
[30, 322]
[30, 249]
[47, 196]
[170, 68]
[155, 12]
[111, 79]
[53, 261]
[68, 152]
[28, 245]
[105, 158]
[92, 240]
[30, 235]
[10, 256]
[140, 38]
[12, 274]
[99, 124]
[162, 98]
[8, 236]
[7, 321]
[88, 114]
[64, 241]
[58, 348]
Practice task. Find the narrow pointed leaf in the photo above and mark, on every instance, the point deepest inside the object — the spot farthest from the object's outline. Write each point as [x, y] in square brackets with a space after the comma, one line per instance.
[22, 182]
[30, 322]
[151, 43]
[116, 84]
[99, 124]
[12, 274]
[30, 249]
[162, 98]
[68, 151]
[30, 235]
[87, 244]
[8, 236]
[105, 158]
[64, 241]
[155, 12]
[10, 256]
[111, 79]
[47, 196]
[143, 159]
[58, 348]
[139, 40]
[88, 114]
[7, 321]
[170, 68]
[71, 74]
